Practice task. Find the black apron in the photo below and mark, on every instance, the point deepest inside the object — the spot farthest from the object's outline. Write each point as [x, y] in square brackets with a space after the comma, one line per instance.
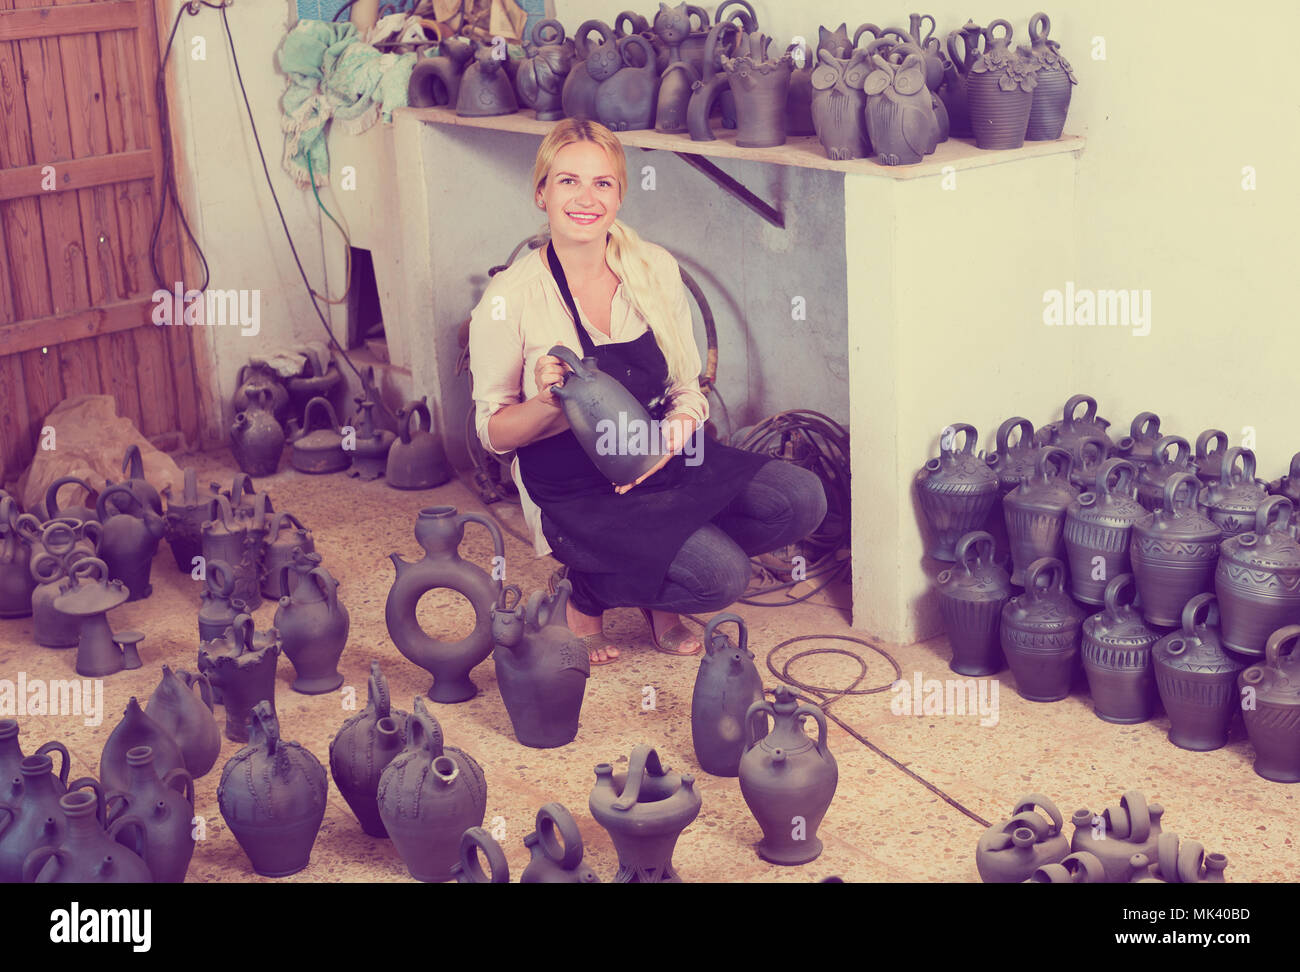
[634, 536]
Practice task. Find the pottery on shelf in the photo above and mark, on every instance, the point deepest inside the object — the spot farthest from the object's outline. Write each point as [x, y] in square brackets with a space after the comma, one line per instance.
[799, 116]
[187, 718]
[1055, 85]
[136, 728]
[1000, 91]
[485, 87]
[971, 598]
[760, 86]
[1035, 511]
[1010, 852]
[1232, 501]
[88, 853]
[313, 625]
[363, 748]
[1270, 707]
[711, 85]
[1117, 833]
[435, 81]
[787, 779]
[164, 805]
[183, 521]
[130, 540]
[226, 537]
[30, 814]
[838, 103]
[318, 442]
[1041, 629]
[541, 666]
[1173, 553]
[957, 490]
[1181, 861]
[578, 95]
[727, 686]
[957, 68]
[429, 795]
[1117, 658]
[625, 100]
[1197, 679]
[440, 530]
[1099, 528]
[539, 81]
[556, 848]
[272, 796]
[644, 811]
[1153, 475]
[416, 460]
[100, 651]
[477, 846]
[1081, 868]
[1257, 578]
[256, 438]
[241, 666]
[901, 120]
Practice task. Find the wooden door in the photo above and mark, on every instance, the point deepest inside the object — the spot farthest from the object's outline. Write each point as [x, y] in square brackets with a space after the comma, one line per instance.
[81, 177]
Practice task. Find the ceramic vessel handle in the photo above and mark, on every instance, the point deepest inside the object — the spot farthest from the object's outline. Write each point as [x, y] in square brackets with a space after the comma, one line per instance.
[762, 705]
[97, 788]
[1227, 464]
[1294, 472]
[1203, 441]
[219, 512]
[220, 578]
[186, 788]
[412, 409]
[119, 489]
[903, 36]
[637, 40]
[922, 38]
[961, 64]
[1026, 439]
[805, 709]
[139, 839]
[570, 359]
[1279, 639]
[498, 542]
[1053, 462]
[93, 531]
[315, 406]
[547, 32]
[64, 765]
[744, 14]
[566, 852]
[88, 565]
[133, 462]
[52, 494]
[580, 42]
[1172, 486]
[1139, 816]
[1037, 801]
[1117, 585]
[242, 629]
[720, 619]
[35, 861]
[1069, 413]
[1273, 508]
[46, 568]
[990, 33]
[423, 731]
[202, 681]
[1145, 425]
[643, 759]
[635, 23]
[377, 690]
[867, 28]
[970, 439]
[58, 538]
[277, 524]
[983, 545]
[711, 55]
[1115, 477]
[699, 12]
[1182, 452]
[1055, 572]
[476, 841]
[1204, 603]
[1040, 25]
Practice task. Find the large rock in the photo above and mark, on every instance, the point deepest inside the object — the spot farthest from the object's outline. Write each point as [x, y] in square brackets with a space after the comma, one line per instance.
[90, 439]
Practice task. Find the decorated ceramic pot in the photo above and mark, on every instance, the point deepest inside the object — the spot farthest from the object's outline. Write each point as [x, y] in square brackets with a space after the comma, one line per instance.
[1117, 657]
[971, 597]
[1040, 634]
[1197, 679]
[1098, 530]
[957, 490]
[1173, 552]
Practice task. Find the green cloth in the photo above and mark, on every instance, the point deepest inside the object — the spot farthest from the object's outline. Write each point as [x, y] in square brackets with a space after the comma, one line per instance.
[332, 74]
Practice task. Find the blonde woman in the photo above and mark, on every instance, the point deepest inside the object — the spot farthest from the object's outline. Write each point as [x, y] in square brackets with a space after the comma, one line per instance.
[678, 539]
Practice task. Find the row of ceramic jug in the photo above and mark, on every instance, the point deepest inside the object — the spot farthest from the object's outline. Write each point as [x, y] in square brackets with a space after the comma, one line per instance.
[1122, 844]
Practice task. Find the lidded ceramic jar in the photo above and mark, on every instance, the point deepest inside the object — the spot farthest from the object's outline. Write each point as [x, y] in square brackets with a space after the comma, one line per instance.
[956, 490]
[362, 750]
[1035, 512]
[1257, 578]
[1270, 706]
[1173, 551]
[1119, 832]
[1014, 463]
[971, 596]
[1117, 658]
[1009, 852]
[1153, 476]
[1040, 634]
[1197, 679]
[1233, 500]
[1098, 528]
[1288, 485]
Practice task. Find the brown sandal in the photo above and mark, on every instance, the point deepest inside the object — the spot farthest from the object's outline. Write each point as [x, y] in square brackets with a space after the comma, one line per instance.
[670, 641]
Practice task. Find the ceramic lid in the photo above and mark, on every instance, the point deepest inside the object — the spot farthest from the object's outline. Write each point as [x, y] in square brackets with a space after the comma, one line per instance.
[1014, 463]
[976, 575]
[1177, 519]
[1050, 487]
[1271, 547]
[1237, 491]
[958, 469]
[1112, 502]
[81, 597]
[1044, 605]
[1120, 624]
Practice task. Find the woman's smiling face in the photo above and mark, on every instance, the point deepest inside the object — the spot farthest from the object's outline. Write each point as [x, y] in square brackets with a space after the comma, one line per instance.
[581, 195]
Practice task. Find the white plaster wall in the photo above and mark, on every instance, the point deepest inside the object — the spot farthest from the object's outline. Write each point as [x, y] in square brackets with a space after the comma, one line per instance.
[225, 194]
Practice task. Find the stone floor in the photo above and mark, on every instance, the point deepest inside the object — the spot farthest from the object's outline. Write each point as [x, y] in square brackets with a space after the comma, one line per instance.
[888, 821]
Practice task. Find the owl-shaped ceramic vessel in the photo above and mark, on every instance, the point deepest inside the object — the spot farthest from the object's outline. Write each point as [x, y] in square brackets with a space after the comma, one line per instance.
[838, 104]
[900, 115]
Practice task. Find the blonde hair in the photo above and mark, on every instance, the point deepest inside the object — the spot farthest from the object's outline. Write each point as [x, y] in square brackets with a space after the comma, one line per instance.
[627, 253]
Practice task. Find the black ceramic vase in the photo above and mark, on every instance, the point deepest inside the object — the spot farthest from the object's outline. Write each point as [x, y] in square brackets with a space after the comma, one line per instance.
[1197, 679]
[644, 811]
[362, 750]
[971, 597]
[726, 687]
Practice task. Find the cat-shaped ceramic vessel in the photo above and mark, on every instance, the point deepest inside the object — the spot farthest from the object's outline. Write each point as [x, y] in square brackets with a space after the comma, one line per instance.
[625, 100]
[799, 119]
[578, 97]
[539, 81]
[486, 88]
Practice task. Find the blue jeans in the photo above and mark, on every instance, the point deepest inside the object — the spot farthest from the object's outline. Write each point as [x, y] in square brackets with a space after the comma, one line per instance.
[781, 504]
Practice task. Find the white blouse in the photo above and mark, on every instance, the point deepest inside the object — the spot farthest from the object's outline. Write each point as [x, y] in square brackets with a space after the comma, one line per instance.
[522, 316]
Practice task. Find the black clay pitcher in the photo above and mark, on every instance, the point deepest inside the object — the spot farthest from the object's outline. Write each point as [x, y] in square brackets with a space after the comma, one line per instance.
[272, 796]
[183, 523]
[1270, 707]
[363, 748]
[541, 666]
[1040, 634]
[218, 606]
[30, 815]
[548, 61]
[89, 854]
[226, 537]
[1013, 849]
[1099, 528]
[136, 729]
[556, 846]
[644, 811]
[1232, 501]
[1174, 552]
[164, 805]
[416, 460]
[787, 779]
[130, 540]
[1153, 475]
[617, 434]
[440, 530]
[971, 597]
[957, 490]
[282, 543]
[1055, 83]
[187, 718]
[1117, 659]
[241, 666]
[1257, 578]
[1035, 511]
[429, 795]
[1197, 679]
[1014, 462]
[313, 625]
[1119, 832]
[727, 686]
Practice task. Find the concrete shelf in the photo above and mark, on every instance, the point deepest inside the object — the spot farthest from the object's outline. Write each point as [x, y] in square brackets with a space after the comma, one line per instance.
[804, 151]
